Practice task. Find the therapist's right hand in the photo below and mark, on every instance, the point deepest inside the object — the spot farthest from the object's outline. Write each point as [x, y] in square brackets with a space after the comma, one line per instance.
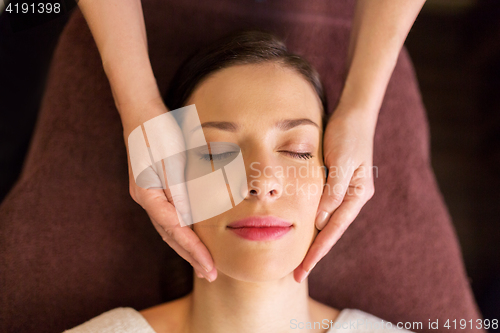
[159, 205]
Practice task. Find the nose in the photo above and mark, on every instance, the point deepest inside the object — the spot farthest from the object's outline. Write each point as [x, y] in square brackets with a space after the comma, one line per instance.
[268, 190]
[264, 183]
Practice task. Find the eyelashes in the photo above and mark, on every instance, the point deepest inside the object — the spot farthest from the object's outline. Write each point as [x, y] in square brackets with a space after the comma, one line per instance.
[222, 156]
[216, 157]
[300, 156]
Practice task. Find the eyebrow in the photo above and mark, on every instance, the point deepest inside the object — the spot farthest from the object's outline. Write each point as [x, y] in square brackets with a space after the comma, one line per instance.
[222, 125]
[287, 124]
[284, 125]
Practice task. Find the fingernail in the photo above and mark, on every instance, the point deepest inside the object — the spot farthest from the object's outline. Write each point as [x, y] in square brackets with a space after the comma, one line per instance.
[205, 267]
[304, 277]
[207, 276]
[321, 219]
[310, 269]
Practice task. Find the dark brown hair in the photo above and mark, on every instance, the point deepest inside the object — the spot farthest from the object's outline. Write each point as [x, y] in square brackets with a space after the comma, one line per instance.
[238, 48]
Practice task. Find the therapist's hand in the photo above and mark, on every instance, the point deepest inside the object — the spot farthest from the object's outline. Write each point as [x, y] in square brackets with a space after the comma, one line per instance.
[159, 206]
[348, 154]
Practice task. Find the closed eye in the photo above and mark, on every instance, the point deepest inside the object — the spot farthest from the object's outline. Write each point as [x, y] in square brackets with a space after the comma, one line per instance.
[216, 157]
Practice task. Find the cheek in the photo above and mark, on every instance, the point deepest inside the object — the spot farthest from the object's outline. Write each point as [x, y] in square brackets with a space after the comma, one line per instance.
[303, 195]
[210, 235]
[304, 188]
[206, 231]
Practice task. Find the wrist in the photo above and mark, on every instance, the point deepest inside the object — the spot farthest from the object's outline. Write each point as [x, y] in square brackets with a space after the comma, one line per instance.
[364, 113]
[132, 81]
[364, 92]
[134, 115]
[360, 120]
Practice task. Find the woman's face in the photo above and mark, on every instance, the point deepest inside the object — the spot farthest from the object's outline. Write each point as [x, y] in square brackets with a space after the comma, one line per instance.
[274, 115]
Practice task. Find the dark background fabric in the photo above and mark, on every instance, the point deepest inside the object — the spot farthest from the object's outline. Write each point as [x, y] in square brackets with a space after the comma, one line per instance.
[73, 244]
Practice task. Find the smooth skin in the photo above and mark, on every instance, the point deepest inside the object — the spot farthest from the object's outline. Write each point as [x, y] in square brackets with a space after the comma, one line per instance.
[256, 290]
[378, 33]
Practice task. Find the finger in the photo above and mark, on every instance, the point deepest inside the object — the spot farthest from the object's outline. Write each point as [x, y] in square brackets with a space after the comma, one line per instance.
[163, 212]
[210, 276]
[173, 171]
[299, 274]
[156, 204]
[359, 192]
[333, 194]
[190, 242]
[190, 246]
[196, 266]
[341, 219]
[199, 269]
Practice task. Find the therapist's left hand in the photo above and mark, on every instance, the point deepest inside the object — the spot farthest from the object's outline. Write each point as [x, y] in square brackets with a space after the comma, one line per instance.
[348, 154]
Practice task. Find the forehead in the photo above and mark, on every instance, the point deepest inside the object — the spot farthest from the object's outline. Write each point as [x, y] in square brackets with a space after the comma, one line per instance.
[256, 93]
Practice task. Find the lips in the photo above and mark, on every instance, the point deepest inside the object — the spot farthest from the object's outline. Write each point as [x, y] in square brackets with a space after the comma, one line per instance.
[260, 228]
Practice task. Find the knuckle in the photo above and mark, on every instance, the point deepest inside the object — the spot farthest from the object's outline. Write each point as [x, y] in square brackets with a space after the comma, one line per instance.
[192, 248]
[197, 244]
[336, 198]
[169, 232]
[342, 227]
[191, 251]
[166, 219]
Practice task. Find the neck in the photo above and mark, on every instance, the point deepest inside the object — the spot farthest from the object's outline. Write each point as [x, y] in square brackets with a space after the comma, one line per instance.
[229, 305]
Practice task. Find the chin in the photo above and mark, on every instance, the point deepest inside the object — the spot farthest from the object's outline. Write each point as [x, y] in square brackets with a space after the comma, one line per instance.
[261, 263]
[254, 270]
